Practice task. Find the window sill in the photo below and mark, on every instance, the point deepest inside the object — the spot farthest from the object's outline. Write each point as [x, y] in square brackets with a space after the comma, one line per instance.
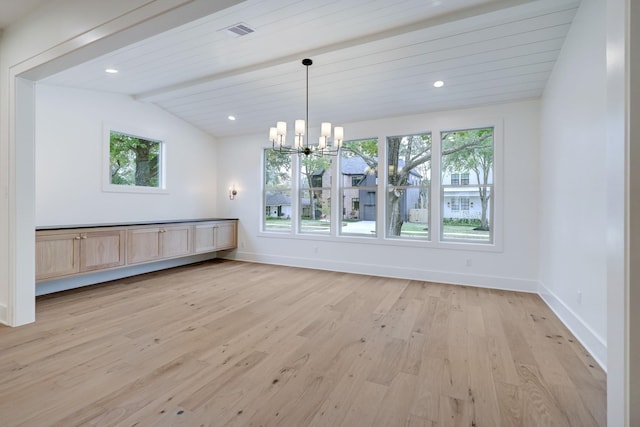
[378, 240]
[133, 189]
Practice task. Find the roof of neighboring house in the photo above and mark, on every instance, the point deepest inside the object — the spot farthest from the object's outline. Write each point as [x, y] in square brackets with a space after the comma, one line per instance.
[353, 165]
[278, 199]
[357, 166]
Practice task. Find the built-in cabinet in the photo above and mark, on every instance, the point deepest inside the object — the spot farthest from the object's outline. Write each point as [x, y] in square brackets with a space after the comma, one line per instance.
[154, 243]
[215, 236]
[101, 249]
[57, 255]
[68, 252]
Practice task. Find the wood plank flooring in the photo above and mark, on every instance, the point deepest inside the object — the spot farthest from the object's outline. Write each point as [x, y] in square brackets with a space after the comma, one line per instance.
[226, 343]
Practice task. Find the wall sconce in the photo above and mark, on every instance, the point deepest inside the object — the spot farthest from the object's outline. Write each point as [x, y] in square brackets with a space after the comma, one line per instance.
[232, 192]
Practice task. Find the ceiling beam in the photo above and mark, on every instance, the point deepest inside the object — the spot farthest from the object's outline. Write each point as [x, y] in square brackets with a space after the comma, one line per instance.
[448, 18]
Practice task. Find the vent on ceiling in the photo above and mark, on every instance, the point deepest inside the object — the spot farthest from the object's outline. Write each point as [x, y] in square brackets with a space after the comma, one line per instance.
[239, 29]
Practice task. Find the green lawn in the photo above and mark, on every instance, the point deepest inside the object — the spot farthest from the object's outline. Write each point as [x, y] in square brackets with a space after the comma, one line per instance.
[449, 231]
[275, 224]
[408, 229]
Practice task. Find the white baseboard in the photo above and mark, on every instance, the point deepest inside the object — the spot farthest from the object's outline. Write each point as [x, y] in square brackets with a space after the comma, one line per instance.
[591, 341]
[4, 314]
[493, 282]
[594, 344]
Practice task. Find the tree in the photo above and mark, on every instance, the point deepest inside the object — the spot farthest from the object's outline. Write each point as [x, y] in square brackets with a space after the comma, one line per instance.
[365, 149]
[405, 155]
[313, 169]
[476, 156]
[134, 161]
[277, 170]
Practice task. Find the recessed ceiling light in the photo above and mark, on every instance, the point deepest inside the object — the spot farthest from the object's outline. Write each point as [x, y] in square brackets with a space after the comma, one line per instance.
[231, 118]
[111, 70]
[438, 83]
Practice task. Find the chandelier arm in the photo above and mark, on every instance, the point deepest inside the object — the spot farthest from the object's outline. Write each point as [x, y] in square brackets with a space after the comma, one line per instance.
[299, 146]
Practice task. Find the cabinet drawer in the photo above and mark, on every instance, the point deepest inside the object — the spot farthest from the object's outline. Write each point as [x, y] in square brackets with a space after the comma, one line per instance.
[57, 255]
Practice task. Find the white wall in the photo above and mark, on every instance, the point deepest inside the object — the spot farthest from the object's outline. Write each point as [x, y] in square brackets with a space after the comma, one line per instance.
[514, 267]
[58, 35]
[69, 160]
[572, 184]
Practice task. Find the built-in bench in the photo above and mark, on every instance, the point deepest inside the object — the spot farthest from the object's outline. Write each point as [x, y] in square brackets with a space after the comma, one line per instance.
[75, 250]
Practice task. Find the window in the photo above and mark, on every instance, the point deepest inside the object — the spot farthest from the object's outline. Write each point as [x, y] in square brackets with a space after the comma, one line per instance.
[459, 178]
[464, 203]
[454, 206]
[356, 180]
[467, 202]
[408, 186]
[358, 187]
[315, 194]
[135, 163]
[277, 191]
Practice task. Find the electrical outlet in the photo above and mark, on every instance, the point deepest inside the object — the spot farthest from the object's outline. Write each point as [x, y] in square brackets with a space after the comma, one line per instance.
[469, 262]
[579, 297]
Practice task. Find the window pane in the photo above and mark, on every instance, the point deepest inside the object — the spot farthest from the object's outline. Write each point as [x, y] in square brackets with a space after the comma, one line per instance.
[358, 187]
[315, 211]
[315, 194]
[467, 201]
[409, 182]
[134, 161]
[277, 191]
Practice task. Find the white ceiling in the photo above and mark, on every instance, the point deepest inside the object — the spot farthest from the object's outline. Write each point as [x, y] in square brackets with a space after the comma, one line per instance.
[372, 59]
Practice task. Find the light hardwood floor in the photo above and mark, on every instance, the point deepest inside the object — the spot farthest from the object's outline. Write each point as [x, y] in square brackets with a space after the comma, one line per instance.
[230, 343]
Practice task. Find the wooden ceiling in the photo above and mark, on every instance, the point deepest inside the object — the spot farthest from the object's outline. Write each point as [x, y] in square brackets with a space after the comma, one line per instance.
[372, 59]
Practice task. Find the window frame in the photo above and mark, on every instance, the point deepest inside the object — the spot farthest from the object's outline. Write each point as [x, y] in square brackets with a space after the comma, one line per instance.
[107, 185]
[326, 186]
[408, 186]
[358, 187]
[497, 162]
[436, 241]
[292, 198]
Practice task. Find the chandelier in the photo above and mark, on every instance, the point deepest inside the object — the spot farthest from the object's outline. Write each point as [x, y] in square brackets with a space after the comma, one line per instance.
[325, 146]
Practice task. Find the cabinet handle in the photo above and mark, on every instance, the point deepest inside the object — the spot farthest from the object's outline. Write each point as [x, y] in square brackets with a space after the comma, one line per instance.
[83, 237]
[76, 238]
[163, 231]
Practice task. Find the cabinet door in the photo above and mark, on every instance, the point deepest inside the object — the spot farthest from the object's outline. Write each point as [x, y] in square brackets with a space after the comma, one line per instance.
[225, 235]
[101, 249]
[175, 241]
[57, 255]
[143, 245]
[205, 237]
